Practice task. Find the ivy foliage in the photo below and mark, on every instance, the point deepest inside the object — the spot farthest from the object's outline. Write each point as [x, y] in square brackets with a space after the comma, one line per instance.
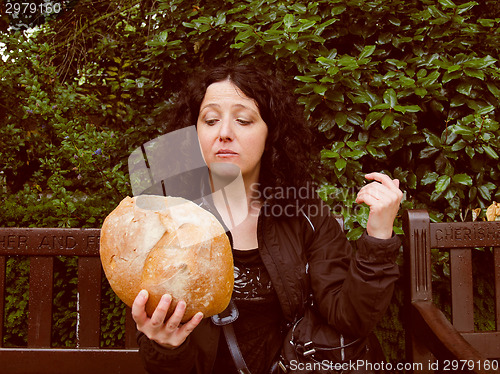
[407, 87]
[410, 88]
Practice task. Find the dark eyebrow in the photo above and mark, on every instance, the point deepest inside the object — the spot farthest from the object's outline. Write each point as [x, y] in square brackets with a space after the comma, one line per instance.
[234, 106]
[210, 105]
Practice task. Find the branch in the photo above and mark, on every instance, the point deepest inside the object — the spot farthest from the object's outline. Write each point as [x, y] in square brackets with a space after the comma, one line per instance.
[87, 25]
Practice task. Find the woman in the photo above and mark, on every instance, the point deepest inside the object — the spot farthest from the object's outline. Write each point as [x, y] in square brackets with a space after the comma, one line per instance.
[247, 118]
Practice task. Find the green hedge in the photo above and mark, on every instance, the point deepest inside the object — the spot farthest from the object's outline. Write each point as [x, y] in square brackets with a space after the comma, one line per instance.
[410, 88]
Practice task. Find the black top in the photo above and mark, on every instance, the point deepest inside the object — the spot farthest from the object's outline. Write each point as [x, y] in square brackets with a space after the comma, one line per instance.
[258, 327]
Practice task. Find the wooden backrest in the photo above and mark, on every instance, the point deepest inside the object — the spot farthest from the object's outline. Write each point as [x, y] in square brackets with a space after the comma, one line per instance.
[461, 239]
[42, 246]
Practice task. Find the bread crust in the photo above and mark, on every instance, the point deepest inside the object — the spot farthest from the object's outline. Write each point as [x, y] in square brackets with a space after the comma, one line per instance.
[167, 245]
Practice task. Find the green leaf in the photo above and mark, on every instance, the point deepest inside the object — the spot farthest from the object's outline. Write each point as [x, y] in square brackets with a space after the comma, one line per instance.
[355, 233]
[383, 106]
[306, 24]
[462, 130]
[298, 8]
[341, 119]
[395, 21]
[348, 62]
[442, 183]
[465, 88]
[243, 35]
[494, 89]
[447, 3]
[305, 79]
[420, 91]
[236, 9]
[464, 179]
[390, 97]
[336, 10]
[355, 154]
[320, 89]
[288, 20]
[458, 145]
[340, 164]
[490, 152]
[466, 7]
[367, 51]
[326, 125]
[429, 177]
[355, 119]
[480, 63]
[292, 46]
[432, 139]
[407, 108]
[470, 151]
[485, 192]
[326, 153]
[334, 95]
[475, 73]
[429, 80]
[485, 110]
[372, 117]
[387, 120]
[428, 152]
[375, 152]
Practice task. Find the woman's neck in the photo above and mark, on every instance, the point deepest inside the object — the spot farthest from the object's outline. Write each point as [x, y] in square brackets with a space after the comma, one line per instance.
[237, 201]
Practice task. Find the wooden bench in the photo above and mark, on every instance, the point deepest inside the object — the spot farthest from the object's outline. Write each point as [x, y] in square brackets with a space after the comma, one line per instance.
[431, 339]
[42, 246]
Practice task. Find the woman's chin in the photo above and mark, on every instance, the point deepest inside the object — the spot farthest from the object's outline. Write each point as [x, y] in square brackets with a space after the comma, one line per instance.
[225, 170]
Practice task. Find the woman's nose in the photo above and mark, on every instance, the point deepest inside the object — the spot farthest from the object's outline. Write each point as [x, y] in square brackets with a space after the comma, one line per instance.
[226, 132]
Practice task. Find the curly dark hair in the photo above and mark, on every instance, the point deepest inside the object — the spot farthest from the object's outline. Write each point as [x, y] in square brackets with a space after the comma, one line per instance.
[287, 160]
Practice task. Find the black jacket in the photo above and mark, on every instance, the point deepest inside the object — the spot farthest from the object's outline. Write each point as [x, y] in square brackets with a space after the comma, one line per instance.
[302, 249]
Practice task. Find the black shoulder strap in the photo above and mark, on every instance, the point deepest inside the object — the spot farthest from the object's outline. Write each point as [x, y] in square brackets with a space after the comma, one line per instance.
[225, 320]
[234, 349]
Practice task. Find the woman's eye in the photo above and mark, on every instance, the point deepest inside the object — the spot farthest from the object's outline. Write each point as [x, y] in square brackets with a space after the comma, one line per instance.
[211, 121]
[243, 121]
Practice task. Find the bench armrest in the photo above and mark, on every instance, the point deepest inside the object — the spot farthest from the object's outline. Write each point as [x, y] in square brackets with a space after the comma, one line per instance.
[444, 341]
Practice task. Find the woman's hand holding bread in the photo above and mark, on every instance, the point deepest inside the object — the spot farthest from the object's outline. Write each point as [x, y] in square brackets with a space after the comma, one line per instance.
[168, 333]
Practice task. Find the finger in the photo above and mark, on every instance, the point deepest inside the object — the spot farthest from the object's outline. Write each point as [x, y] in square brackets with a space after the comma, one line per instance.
[189, 326]
[378, 197]
[377, 191]
[384, 179]
[369, 198]
[139, 307]
[176, 318]
[391, 184]
[161, 310]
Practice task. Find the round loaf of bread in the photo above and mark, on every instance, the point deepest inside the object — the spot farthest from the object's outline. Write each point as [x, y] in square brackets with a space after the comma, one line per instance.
[167, 245]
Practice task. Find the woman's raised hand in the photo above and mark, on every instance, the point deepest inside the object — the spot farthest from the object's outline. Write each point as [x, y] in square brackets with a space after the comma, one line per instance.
[170, 333]
[383, 196]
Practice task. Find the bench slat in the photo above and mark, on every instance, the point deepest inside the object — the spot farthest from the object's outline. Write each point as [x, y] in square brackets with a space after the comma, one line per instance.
[130, 330]
[40, 302]
[464, 234]
[496, 260]
[89, 302]
[462, 305]
[2, 295]
[488, 343]
[74, 361]
[38, 241]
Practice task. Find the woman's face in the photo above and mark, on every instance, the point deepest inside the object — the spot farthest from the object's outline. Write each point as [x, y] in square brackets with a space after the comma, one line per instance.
[231, 130]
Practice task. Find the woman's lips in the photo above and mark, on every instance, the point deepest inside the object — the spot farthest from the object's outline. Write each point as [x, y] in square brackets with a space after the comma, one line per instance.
[224, 153]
